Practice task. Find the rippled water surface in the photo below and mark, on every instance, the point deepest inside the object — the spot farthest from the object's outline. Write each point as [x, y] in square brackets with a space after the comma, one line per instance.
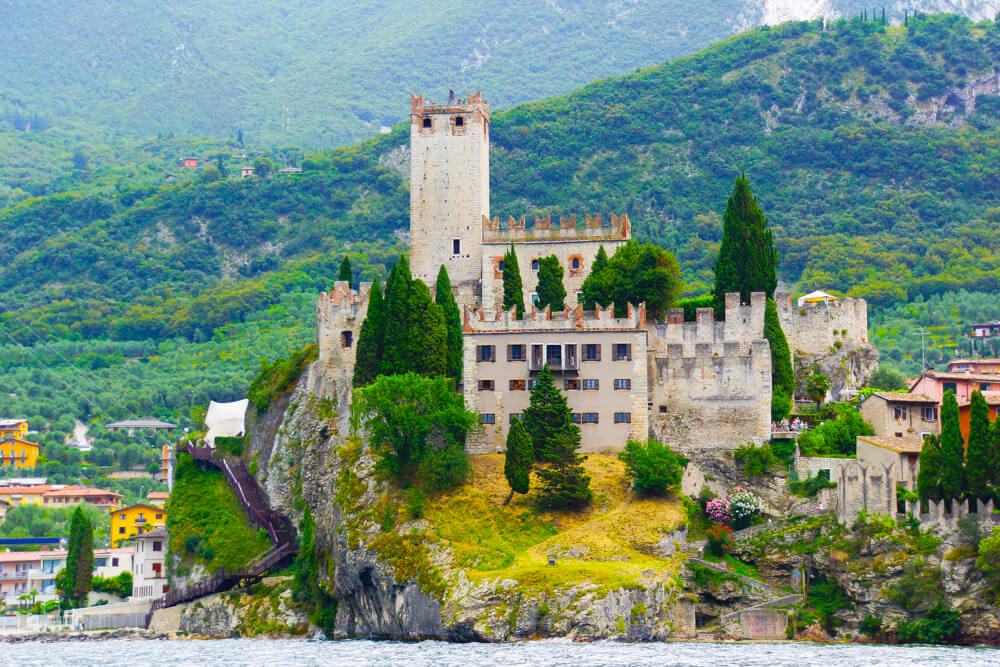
[275, 653]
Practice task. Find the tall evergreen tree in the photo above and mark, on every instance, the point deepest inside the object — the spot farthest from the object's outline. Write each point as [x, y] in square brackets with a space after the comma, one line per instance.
[452, 322]
[415, 334]
[513, 290]
[747, 260]
[952, 450]
[518, 459]
[369, 350]
[977, 467]
[994, 458]
[546, 417]
[782, 375]
[590, 297]
[76, 578]
[550, 290]
[345, 271]
[929, 473]
[565, 484]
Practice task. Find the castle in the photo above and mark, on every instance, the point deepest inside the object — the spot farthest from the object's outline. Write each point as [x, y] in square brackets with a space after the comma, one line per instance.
[695, 385]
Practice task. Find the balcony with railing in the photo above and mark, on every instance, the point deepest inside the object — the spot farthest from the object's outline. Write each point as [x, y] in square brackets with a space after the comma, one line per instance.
[559, 357]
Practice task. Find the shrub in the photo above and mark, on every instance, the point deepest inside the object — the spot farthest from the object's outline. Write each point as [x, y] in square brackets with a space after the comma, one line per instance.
[652, 467]
[720, 540]
[757, 461]
[415, 502]
[743, 507]
[784, 450]
[827, 597]
[443, 469]
[279, 378]
[717, 510]
[837, 436]
[941, 626]
[120, 585]
[871, 626]
[809, 487]
[918, 586]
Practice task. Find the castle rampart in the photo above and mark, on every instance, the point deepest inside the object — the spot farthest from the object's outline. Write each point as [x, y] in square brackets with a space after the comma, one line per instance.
[339, 316]
[814, 328]
[517, 230]
[744, 323]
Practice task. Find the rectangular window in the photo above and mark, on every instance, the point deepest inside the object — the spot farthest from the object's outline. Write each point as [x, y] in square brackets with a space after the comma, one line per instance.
[456, 246]
[898, 412]
[157, 546]
[534, 265]
[985, 386]
[930, 414]
[517, 385]
[121, 531]
[114, 562]
[516, 352]
[536, 357]
[159, 516]
[486, 385]
[500, 266]
[623, 383]
[592, 384]
[622, 352]
[553, 356]
[949, 386]
[589, 417]
[592, 352]
[487, 418]
[623, 417]
[571, 384]
[486, 353]
[575, 417]
[532, 384]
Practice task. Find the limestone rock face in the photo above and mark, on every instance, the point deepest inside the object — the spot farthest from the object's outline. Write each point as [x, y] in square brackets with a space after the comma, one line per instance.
[240, 615]
[848, 367]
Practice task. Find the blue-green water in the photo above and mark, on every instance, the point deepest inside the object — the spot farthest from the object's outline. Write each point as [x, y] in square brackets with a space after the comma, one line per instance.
[556, 653]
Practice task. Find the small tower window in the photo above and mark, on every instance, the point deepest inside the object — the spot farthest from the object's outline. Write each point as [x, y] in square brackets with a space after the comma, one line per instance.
[346, 338]
[576, 262]
[534, 265]
[456, 246]
[427, 122]
[459, 121]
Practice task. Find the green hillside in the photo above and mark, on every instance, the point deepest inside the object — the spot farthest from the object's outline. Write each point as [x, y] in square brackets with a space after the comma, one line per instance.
[879, 171]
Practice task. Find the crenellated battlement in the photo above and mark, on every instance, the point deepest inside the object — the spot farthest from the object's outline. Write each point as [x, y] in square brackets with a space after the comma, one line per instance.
[814, 328]
[576, 319]
[744, 324]
[339, 315]
[567, 228]
[473, 103]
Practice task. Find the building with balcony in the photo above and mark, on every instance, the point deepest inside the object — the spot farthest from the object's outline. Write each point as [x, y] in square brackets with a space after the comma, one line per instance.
[14, 569]
[149, 571]
[129, 522]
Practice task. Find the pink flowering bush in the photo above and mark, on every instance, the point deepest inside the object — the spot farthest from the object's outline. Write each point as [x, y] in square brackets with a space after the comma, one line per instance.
[717, 509]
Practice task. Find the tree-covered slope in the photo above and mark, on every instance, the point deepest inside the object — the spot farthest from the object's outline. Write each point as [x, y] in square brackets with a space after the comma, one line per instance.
[329, 72]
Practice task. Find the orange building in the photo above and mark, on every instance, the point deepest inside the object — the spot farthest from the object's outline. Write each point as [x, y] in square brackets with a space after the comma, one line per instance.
[965, 412]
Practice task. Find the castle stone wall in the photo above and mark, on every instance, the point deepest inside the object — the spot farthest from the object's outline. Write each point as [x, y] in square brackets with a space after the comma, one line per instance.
[813, 328]
[871, 488]
[449, 187]
[339, 316]
[562, 238]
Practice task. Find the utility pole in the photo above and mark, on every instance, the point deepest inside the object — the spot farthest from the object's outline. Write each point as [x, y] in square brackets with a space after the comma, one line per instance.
[923, 356]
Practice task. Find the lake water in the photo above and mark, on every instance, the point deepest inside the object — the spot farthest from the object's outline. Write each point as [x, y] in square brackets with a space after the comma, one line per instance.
[555, 653]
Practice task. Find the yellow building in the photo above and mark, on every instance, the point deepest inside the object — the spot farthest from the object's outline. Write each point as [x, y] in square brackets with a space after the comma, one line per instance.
[130, 521]
[13, 428]
[18, 453]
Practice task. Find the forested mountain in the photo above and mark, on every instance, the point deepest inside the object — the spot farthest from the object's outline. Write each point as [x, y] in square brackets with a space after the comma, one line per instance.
[875, 151]
[326, 73]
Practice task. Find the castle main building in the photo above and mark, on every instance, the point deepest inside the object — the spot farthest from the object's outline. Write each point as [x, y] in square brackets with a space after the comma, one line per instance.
[694, 385]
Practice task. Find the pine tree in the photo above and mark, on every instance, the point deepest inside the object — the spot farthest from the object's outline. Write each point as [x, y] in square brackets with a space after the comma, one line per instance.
[452, 322]
[747, 260]
[546, 417]
[513, 290]
[345, 271]
[369, 350]
[600, 261]
[565, 484]
[782, 376]
[929, 473]
[952, 449]
[550, 290]
[977, 467]
[518, 459]
[427, 349]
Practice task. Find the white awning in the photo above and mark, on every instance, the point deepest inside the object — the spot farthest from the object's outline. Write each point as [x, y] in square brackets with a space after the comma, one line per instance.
[225, 420]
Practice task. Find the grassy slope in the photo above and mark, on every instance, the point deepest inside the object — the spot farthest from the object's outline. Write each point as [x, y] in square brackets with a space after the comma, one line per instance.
[202, 504]
[604, 545]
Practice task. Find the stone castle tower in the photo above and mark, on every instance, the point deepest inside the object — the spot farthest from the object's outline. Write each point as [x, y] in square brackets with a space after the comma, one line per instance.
[449, 187]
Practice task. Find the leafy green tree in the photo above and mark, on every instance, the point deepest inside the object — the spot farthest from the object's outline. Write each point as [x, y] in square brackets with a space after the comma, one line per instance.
[452, 322]
[345, 272]
[513, 290]
[210, 174]
[816, 387]
[80, 159]
[653, 468]
[369, 353]
[782, 375]
[836, 437]
[929, 472]
[262, 166]
[747, 259]
[977, 467]
[988, 560]
[887, 379]
[636, 273]
[79, 570]
[952, 450]
[411, 419]
[546, 416]
[518, 459]
[550, 290]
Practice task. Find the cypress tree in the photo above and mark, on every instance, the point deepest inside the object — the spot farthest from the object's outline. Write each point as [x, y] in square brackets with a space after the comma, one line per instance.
[369, 351]
[994, 458]
[345, 271]
[77, 576]
[551, 291]
[399, 321]
[929, 473]
[546, 416]
[600, 261]
[452, 322]
[427, 350]
[518, 459]
[782, 376]
[952, 449]
[977, 468]
[513, 290]
[747, 260]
